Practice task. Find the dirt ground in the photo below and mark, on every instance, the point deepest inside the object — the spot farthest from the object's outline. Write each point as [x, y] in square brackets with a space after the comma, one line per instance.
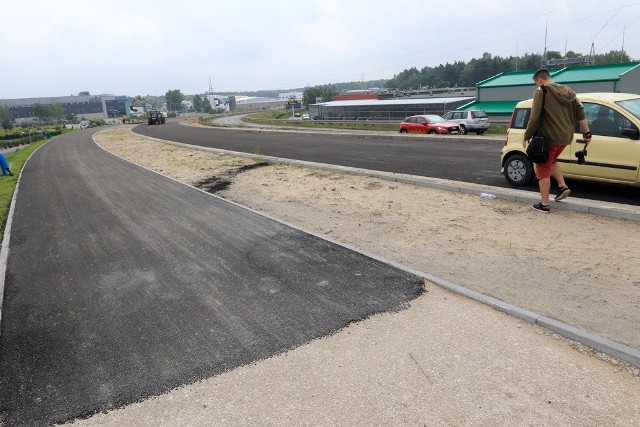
[581, 269]
[445, 360]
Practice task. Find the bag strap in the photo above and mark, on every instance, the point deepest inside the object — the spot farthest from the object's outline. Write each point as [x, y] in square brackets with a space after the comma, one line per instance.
[544, 92]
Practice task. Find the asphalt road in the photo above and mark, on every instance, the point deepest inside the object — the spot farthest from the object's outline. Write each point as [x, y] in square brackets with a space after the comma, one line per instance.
[122, 284]
[405, 155]
[459, 159]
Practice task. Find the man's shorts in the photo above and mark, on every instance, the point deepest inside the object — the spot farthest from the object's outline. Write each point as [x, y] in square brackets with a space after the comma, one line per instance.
[543, 170]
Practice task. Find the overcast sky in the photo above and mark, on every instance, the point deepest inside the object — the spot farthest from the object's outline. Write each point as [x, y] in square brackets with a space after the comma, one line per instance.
[140, 47]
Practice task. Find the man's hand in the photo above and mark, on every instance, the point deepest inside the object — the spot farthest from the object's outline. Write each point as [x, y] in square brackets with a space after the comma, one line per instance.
[525, 143]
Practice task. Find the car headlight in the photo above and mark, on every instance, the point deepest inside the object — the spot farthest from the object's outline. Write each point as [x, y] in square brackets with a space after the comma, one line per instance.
[441, 128]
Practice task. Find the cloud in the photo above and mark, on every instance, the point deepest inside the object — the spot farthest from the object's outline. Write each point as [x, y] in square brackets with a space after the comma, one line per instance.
[64, 47]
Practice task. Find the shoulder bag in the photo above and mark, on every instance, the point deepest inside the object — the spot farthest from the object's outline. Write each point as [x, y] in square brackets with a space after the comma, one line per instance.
[538, 148]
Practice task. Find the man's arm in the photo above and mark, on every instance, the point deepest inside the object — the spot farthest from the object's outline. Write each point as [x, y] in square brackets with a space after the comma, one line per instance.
[580, 116]
[586, 133]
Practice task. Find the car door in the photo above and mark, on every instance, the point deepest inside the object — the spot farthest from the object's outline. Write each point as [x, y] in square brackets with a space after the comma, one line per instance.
[611, 155]
[421, 125]
[409, 124]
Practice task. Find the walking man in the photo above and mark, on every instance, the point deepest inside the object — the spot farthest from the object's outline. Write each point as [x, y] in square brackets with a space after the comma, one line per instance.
[561, 110]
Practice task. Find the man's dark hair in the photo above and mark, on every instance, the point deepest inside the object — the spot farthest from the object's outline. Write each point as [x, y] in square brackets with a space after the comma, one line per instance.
[542, 73]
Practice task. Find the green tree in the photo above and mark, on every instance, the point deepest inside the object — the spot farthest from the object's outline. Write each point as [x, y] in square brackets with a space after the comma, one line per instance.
[198, 104]
[6, 120]
[613, 57]
[479, 69]
[56, 111]
[310, 94]
[41, 112]
[206, 106]
[174, 100]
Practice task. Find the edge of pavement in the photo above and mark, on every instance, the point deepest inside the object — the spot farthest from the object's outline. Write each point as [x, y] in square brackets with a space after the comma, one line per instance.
[4, 250]
[607, 209]
[596, 342]
[613, 210]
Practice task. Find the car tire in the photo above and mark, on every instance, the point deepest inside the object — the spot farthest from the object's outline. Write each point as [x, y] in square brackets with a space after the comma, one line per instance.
[403, 131]
[463, 129]
[432, 132]
[518, 170]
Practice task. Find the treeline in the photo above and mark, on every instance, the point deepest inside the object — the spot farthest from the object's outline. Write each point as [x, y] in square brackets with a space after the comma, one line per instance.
[468, 74]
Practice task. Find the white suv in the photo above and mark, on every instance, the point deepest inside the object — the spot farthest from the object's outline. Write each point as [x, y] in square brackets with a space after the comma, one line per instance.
[470, 121]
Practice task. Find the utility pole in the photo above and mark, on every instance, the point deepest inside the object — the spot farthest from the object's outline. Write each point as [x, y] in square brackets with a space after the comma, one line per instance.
[622, 50]
[544, 57]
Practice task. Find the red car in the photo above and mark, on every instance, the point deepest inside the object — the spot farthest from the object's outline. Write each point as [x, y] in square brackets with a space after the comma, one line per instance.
[429, 124]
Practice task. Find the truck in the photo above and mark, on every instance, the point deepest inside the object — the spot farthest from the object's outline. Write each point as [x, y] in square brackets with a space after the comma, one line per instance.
[156, 117]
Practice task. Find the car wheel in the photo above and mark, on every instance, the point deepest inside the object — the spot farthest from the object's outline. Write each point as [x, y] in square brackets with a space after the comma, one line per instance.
[403, 131]
[432, 132]
[463, 129]
[518, 170]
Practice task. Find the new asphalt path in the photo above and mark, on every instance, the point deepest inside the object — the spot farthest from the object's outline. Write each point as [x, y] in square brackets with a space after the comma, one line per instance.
[122, 284]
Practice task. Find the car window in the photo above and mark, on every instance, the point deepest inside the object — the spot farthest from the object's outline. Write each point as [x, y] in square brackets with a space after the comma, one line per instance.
[632, 106]
[606, 121]
[480, 114]
[520, 118]
[410, 120]
[448, 116]
[420, 120]
[435, 119]
[456, 116]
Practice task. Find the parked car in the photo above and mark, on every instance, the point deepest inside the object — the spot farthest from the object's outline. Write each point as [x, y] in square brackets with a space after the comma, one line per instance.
[470, 121]
[613, 155]
[429, 124]
[305, 116]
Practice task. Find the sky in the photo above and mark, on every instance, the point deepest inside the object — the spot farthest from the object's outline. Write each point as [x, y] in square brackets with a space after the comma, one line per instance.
[60, 48]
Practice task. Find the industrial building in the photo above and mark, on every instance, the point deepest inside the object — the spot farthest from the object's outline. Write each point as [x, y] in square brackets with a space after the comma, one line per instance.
[498, 95]
[384, 109]
[89, 107]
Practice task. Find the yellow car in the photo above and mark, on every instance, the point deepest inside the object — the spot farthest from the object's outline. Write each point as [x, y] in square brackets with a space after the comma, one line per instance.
[613, 155]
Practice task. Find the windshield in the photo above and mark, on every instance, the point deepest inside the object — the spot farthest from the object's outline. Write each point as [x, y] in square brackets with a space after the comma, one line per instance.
[632, 106]
[435, 119]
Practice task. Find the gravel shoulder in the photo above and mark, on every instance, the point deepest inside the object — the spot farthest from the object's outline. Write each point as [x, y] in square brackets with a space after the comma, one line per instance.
[445, 359]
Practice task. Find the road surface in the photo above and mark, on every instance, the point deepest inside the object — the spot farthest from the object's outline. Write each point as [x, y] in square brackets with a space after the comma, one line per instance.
[123, 284]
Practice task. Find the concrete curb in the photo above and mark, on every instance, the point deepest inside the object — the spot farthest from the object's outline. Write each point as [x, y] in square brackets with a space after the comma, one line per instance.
[606, 209]
[604, 345]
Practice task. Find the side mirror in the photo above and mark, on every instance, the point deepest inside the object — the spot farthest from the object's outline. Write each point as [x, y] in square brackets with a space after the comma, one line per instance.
[630, 133]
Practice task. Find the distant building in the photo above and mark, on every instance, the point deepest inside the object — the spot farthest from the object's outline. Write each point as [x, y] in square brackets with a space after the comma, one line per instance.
[385, 109]
[290, 95]
[219, 101]
[90, 107]
[498, 95]
[250, 103]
